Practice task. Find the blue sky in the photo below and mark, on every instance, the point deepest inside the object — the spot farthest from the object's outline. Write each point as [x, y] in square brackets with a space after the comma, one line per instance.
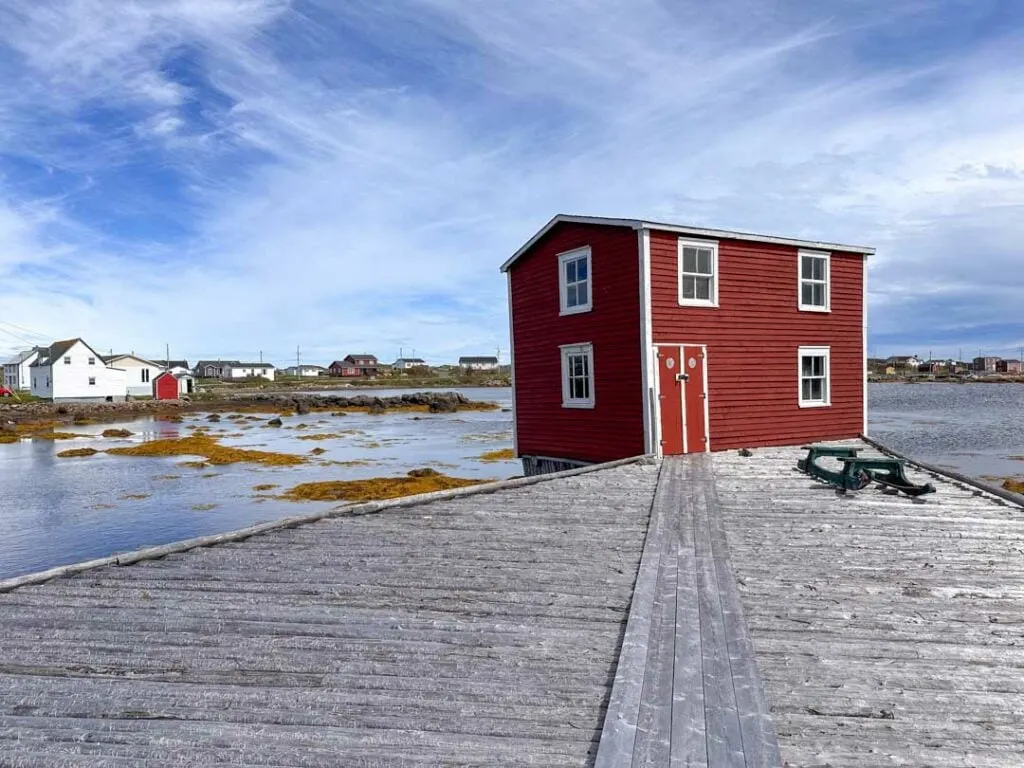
[233, 177]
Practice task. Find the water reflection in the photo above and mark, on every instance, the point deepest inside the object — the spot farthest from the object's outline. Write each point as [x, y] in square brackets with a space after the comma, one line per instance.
[62, 510]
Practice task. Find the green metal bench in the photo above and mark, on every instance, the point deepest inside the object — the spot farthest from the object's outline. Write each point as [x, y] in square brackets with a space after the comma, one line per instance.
[858, 472]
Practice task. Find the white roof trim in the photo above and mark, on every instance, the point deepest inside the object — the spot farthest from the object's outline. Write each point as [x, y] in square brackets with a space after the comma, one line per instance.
[640, 224]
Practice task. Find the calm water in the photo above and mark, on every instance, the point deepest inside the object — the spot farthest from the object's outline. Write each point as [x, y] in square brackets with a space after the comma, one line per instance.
[973, 428]
[55, 511]
[63, 510]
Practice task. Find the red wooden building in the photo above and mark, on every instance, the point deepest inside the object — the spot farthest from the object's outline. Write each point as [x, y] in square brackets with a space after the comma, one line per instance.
[632, 337]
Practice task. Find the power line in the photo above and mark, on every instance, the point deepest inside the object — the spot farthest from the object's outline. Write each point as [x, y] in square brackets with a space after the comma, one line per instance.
[29, 331]
[22, 339]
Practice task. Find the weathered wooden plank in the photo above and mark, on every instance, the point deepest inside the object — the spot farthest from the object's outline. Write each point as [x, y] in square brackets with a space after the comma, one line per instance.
[724, 736]
[760, 746]
[689, 727]
[619, 734]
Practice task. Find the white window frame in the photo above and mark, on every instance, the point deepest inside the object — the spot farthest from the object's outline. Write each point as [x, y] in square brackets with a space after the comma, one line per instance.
[801, 353]
[92, 361]
[563, 285]
[67, 360]
[692, 243]
[800, 280]
[92, 381]
[145, 375]
[568, 350]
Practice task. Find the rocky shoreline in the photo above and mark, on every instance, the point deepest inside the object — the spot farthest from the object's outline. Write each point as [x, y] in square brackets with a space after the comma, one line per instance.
[69, 413]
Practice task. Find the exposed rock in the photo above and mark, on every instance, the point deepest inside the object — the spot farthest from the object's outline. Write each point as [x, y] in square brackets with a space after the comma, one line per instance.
[442, 406]
[301, 407]
[377, 407]
[424, 472]
[274, 422]
[213, 417]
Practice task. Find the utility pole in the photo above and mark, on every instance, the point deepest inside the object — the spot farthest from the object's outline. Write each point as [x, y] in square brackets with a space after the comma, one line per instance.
[167, 356]
[261, 355]
[298, 358]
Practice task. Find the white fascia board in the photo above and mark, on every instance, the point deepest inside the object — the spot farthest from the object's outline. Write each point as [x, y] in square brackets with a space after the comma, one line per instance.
[684, 230]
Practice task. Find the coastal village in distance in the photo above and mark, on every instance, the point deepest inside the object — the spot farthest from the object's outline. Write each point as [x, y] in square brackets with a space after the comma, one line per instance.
[913, 368]
[74, 370]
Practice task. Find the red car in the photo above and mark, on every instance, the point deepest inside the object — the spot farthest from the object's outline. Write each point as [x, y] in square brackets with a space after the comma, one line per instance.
[5, 392]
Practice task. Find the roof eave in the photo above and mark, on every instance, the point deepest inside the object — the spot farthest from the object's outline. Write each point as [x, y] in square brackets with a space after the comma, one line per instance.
[639, 224]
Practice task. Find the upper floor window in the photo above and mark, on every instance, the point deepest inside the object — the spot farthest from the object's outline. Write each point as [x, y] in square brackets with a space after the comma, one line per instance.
[67, 361]
[92, 381]
[92, 361]
[814, 281]
[814, 372]
[698, 272]
[578, 376]
[574, 281]
[145, 375]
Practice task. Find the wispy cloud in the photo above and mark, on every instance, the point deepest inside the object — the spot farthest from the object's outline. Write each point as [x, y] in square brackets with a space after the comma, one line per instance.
[231, 176]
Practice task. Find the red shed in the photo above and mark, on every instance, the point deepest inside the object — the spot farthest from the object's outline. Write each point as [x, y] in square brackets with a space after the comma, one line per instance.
[166, 386]
[633, 337]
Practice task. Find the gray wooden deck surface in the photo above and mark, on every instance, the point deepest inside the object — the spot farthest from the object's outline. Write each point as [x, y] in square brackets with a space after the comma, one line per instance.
[770, 622]
[687, 691]
[481, 630]
[888, 632]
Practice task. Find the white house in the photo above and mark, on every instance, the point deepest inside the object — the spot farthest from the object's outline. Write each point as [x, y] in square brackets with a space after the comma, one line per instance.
[405, 363]
[140, 372]
[233, 370]
[16, 370]
[72, 370]
[311, 371]
[478, 363]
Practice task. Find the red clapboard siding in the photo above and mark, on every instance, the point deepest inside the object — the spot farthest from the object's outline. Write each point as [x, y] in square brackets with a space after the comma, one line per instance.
[753, 336]
[614, 427]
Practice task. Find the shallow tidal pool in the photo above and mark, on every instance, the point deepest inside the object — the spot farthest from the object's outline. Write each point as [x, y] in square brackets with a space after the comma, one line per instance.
[56, 510]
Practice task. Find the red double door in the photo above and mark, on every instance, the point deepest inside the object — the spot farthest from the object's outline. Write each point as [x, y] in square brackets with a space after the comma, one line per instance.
[682, 398]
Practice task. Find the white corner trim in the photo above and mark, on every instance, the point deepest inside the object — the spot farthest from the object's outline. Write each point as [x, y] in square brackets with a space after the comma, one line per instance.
[713, 245]
[646, 334]
[864, 337]
[512, 362]
[565, 350]
[816, 351]
[800, 281]
[583, 252]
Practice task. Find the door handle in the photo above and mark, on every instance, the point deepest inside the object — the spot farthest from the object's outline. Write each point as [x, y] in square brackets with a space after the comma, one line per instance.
[682, 377]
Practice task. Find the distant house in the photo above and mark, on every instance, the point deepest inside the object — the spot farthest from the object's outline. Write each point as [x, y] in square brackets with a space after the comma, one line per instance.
[71, 370]
[311, 371]
[212, 369]
[232, 369]
[478, 363]
[140, 373]
[933, 366]
[903, 361]
[408, 363]
[1008, 366]
[985, 364]
[355, 365]
[249, 371]
[16, 370]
